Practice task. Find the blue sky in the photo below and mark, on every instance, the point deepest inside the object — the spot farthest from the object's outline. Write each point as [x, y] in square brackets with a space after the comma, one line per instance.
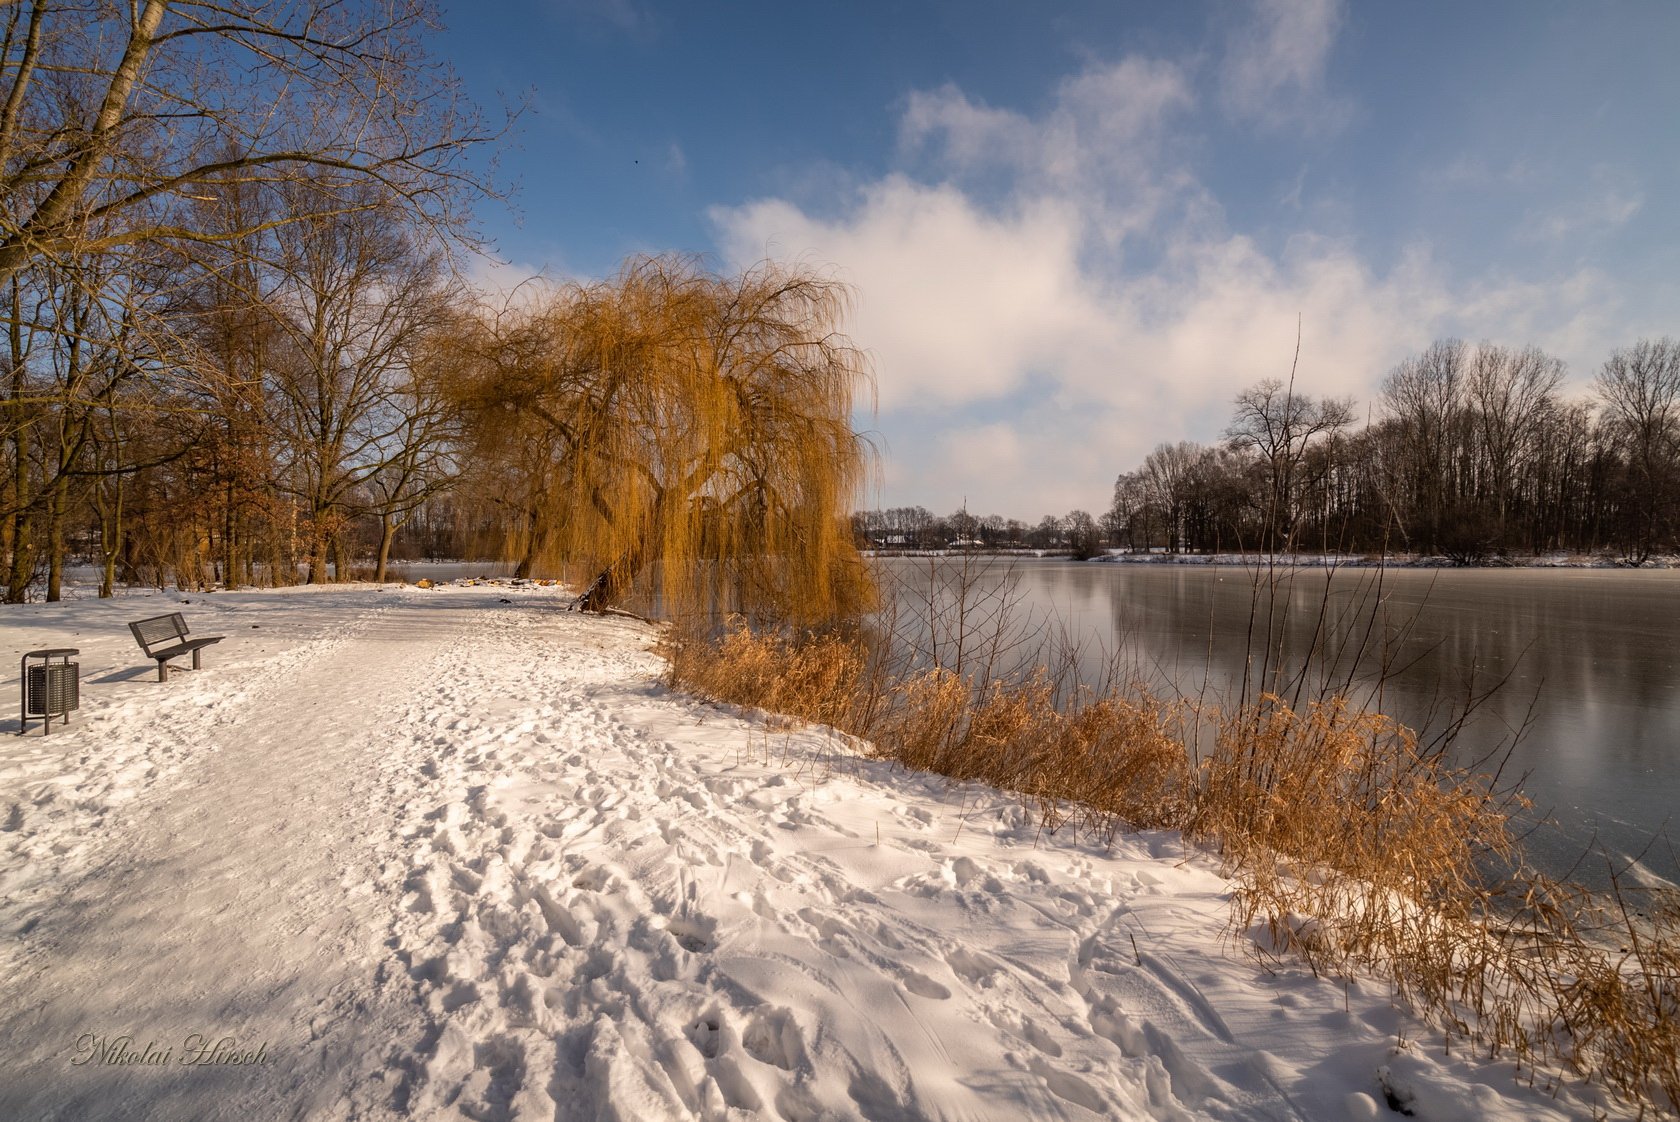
[1078, 230]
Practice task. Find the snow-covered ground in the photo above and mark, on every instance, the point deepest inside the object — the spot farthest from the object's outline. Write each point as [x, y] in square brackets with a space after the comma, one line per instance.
[455, 853]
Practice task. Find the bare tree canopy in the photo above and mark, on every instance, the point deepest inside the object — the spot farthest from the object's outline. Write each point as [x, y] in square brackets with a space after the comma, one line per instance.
[1278, 426]
[118, 117]
[1509, 390]
[1472, 454]
[354, 298]
[675, 418]
[1640, 388]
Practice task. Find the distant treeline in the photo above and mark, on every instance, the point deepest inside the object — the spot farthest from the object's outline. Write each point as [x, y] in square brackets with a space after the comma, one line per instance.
[917, 528]
[1470, 452]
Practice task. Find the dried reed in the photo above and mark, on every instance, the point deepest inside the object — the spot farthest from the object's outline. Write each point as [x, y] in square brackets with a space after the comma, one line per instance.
[1348, 845]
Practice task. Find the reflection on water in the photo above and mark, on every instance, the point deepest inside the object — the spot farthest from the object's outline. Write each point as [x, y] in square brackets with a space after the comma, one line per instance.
[1590, 661]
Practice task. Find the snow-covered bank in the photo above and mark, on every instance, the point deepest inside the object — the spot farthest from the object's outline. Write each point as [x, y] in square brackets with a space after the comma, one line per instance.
[454, 853]
[1302, 560]
[1388, 561]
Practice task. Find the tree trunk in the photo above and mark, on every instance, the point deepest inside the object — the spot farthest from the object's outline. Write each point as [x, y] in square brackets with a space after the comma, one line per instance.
[340, 559]
[528, 560]
[110, 542]
[387, 533]
[317, 558]
[229, 543]
[53, 212]
[23, 557]
[55, 541]
[23, 549]
[612, 583]
[278, 555]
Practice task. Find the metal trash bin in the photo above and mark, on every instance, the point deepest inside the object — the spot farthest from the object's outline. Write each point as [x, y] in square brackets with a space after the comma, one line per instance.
[50, 689]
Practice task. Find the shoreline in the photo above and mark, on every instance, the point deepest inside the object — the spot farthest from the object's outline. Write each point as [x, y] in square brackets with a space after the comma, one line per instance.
[1301, 560]
[555, 881]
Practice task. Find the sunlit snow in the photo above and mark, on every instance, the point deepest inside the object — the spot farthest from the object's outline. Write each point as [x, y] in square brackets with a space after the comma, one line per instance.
[456, 853]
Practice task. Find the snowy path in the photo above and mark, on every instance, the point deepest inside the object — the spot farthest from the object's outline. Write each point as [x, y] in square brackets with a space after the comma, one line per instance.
[443, 856]
[238, 902]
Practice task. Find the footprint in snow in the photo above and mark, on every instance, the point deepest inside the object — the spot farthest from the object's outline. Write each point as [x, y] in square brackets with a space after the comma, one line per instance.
[706, 1034]
[923, 986]
[695, 934]
[772, 1036]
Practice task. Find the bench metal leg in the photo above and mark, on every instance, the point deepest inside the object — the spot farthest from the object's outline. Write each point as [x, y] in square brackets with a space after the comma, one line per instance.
[163, 670]
[195, 658]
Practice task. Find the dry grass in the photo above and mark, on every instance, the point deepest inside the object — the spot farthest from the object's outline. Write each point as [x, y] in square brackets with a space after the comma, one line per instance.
[1335, 814]
[1098, 762]
[1348, 845]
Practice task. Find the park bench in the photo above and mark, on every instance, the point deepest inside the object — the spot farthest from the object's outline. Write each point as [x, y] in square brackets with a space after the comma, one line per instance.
[165, 637]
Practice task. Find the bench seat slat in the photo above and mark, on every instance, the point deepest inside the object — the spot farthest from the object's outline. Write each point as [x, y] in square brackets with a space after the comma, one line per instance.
[184, 648]
[171, 629]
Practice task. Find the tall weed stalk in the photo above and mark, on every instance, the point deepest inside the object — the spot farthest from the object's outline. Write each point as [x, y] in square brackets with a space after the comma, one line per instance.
[1350, 844]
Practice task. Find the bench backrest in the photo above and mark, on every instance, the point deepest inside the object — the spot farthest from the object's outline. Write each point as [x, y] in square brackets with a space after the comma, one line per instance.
[159, 629]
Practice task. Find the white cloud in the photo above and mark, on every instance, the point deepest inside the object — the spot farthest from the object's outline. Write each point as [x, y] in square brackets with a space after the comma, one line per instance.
[1033, 341]
[627, 16]
[1107, 123]
[966, 312]
[1274, 65]
[967, 315]
[949, 469]
[502, 282]
[1476, 171]
[972, 135]
[956, 303]
[1607, 200]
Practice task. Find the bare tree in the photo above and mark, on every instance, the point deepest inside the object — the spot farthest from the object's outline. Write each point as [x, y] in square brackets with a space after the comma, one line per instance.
[1565, 476]
[910, 524]
[1129, 511]
[1082, 534]
[1425, 395]
[964, 526]
[415, 459]
[1047, 534]
[1508, 391]
[77, 331]
[22, 416]
[1173, 474]
[1474, 449]
[117, 116]
[1640, 390]
[355, 298]
[175, 126]
[1279, 425]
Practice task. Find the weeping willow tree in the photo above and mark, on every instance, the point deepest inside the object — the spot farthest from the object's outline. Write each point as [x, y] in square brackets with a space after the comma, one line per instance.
[676, 422]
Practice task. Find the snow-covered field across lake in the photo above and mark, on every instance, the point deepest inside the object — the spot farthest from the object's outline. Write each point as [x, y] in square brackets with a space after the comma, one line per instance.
[456, 853]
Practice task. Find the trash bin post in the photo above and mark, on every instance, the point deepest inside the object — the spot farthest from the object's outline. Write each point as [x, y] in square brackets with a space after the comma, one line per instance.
[49, 689]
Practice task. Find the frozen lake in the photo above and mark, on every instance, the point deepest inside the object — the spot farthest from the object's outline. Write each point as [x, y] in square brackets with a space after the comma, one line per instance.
[1589, 658]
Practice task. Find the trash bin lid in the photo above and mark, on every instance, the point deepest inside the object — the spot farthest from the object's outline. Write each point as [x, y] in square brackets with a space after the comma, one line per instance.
[53, 652]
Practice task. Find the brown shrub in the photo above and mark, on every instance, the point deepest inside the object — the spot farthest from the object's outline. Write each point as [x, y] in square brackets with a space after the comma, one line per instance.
[1347, 844]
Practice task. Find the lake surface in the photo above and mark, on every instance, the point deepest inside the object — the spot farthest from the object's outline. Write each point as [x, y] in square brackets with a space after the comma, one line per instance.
[1589, 660]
